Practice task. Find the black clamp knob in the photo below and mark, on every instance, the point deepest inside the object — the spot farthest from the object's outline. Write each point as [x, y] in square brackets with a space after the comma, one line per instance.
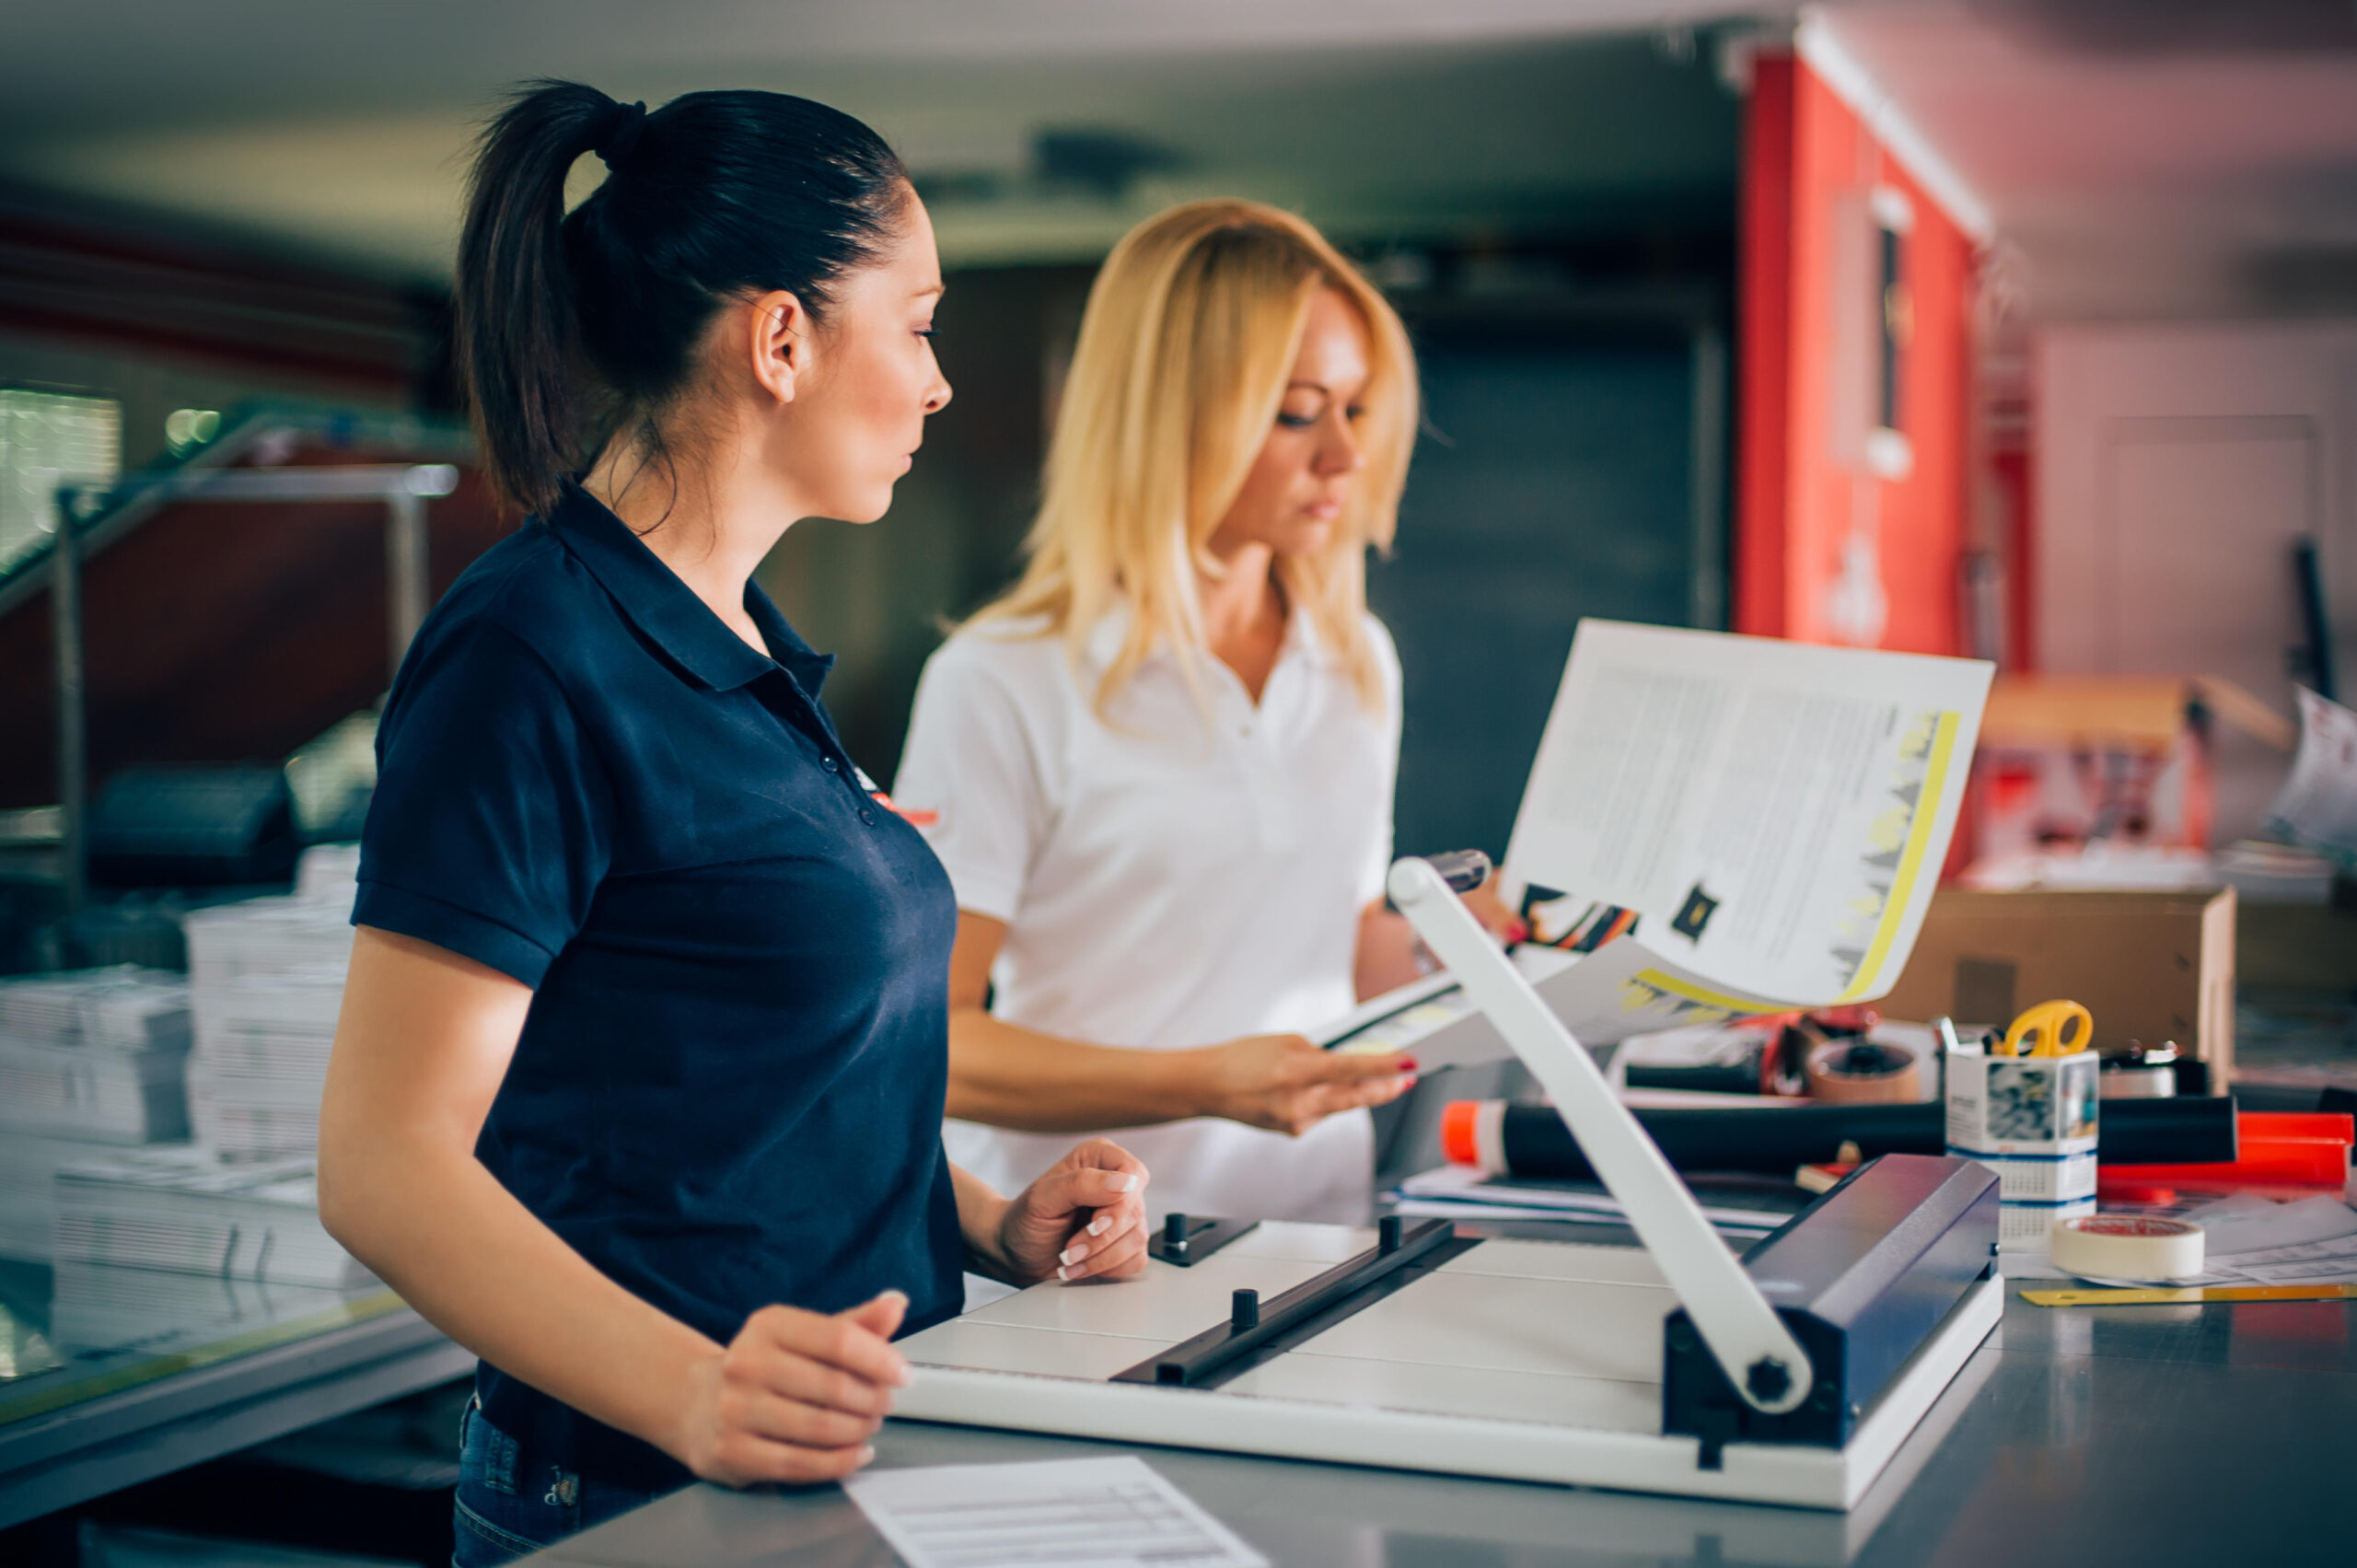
[1767, 1378]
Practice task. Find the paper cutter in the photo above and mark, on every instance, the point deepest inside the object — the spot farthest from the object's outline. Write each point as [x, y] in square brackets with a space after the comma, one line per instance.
[1789, 1376]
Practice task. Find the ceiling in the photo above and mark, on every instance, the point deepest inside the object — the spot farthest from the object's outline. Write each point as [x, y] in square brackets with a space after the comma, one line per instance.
[343, 130]
[2143, 158]
[2139, 158]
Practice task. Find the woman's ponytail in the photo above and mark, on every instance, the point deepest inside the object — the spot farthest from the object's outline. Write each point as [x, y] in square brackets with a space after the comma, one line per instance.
[563, 318]
[516, 313]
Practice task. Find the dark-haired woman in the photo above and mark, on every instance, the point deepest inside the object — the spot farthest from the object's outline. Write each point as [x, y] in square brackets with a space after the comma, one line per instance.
[638, 1087]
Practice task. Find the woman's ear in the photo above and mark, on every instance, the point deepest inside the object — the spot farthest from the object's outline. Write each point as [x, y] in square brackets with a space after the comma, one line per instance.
[778, 338]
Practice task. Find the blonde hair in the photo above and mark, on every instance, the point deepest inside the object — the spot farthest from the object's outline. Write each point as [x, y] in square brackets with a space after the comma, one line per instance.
[1185, 349]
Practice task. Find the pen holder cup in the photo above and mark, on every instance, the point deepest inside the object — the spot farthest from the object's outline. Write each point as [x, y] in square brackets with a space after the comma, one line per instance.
[2031, 1119]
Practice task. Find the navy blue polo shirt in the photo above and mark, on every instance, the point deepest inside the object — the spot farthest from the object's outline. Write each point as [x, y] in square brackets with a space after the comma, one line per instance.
[728, 1091]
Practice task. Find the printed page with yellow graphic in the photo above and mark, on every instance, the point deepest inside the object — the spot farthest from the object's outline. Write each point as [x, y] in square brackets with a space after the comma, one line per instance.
[1775, 813]
[1623, 988]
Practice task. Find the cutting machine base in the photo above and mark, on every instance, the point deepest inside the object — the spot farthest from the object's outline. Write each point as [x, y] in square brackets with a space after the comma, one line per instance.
[1534, 1360]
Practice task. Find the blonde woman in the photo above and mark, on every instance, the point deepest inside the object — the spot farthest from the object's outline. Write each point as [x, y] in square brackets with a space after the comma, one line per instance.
[1159, 769]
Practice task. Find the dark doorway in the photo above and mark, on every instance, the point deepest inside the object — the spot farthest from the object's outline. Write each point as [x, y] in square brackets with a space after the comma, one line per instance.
[1568, 469]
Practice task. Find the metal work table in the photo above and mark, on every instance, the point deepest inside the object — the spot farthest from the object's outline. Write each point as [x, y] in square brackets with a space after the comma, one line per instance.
[2155, 1435]
[269, 1361]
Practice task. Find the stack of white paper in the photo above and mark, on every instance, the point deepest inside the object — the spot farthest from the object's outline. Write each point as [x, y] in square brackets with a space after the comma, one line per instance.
[134, 1009]
[95, 1054]
[267, 980]
[28, 1164]
[98, 1096]
[88, 1058]
[123, 1007]
[2255, 1241]
[190, 1211]
[94, 1307]
[330, 873]
[144, 1240]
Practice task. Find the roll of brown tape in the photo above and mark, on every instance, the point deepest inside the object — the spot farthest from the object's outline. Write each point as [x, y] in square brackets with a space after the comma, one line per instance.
[1864, 1073]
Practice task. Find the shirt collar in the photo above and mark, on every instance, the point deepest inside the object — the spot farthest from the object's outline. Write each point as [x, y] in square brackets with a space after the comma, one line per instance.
[656, 601]
[1103, 643]
[1301, 637]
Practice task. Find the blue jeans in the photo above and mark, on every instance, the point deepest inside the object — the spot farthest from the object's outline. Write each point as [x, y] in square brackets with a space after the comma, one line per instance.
[510, 1503]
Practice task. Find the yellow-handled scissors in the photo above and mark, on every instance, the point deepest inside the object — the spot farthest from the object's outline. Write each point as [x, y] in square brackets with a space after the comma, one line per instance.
[2050, 1029]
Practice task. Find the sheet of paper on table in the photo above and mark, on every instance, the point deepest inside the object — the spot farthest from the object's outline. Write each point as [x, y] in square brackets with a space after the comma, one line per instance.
[2253, 1241]
[2249, 1239]
[1775, 815]
[1457, 1192]
[1116, 1512]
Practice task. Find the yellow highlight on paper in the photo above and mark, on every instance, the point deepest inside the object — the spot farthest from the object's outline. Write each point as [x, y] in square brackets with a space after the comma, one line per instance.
[1910, 860]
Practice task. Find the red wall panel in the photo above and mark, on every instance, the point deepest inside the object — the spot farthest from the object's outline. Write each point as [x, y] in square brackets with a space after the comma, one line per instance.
[1819, 541]
[222, 632]
[1763, 388]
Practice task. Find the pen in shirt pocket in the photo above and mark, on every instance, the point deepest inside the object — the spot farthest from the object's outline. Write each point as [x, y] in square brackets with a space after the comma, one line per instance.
[913, 819]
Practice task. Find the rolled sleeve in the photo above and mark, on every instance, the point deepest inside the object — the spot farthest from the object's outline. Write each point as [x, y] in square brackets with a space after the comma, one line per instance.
[389, 907]
[491, 825]
[970, 780]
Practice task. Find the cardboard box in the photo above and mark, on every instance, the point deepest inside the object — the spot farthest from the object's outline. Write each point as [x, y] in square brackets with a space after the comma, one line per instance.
[2150, 967]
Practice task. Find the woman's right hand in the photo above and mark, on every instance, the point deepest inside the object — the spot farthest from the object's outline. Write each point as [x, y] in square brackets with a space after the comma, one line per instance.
[795, 1396]
[1286, 1084]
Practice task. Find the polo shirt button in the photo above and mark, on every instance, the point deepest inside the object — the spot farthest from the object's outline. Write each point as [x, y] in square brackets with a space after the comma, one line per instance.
[868, 817]
[828, 763]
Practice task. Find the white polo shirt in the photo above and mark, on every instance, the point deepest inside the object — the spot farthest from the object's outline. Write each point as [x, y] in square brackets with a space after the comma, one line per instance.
[1165, 882]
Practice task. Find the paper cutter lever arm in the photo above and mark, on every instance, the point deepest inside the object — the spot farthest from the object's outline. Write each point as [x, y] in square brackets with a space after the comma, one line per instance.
[1758, 1354]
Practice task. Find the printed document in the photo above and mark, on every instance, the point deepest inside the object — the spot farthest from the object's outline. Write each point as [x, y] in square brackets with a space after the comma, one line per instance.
[2253, 1241]
[1770, 816]
[2318, 803]
[1113, 1513]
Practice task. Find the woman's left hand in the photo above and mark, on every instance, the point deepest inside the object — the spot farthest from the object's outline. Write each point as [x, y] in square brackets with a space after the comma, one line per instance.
[1084, 1218]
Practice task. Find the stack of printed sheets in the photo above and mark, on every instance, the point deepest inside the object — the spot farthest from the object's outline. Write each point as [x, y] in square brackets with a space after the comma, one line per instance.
[95, 1054]
[88, 1058]
[185, 1210]
[93, 1307]
[266, 981]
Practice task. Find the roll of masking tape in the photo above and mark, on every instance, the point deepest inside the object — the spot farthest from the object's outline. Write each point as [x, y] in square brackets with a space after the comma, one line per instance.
[1864, 1073]
[2126, 1247]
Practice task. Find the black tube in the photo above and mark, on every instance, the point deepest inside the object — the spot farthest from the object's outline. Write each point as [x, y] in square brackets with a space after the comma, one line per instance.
[2315, 622]
[2170, 1132]
[1779, 1141]
[1710, 1080]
